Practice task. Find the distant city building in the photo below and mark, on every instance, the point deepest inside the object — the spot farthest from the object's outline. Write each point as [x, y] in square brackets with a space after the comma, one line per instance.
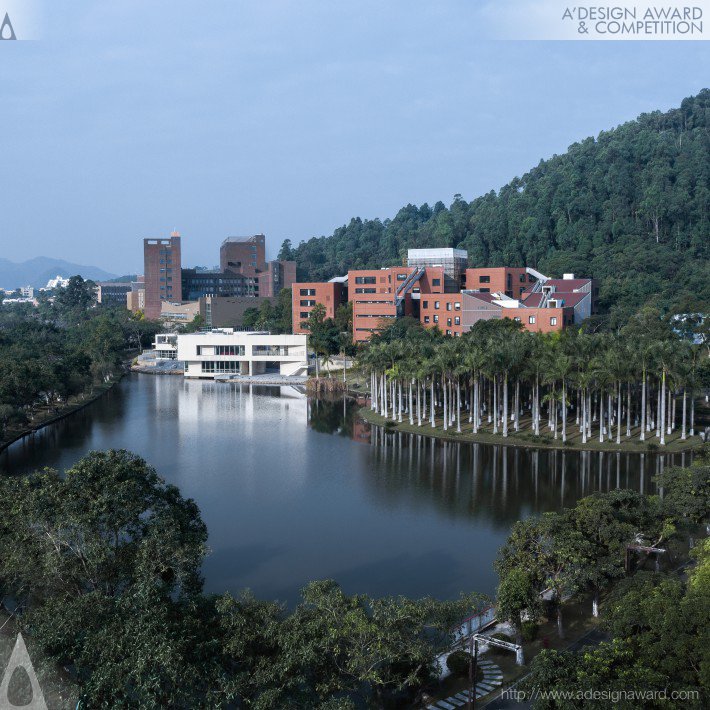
[26, 292]
[57, 282]
[226, 352]
[162, 273]
[199, 282]
[113, 293]
[243, 272]
[239, 254]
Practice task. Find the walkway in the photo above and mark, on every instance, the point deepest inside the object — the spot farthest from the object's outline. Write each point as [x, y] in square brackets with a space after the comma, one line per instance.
[492, 679]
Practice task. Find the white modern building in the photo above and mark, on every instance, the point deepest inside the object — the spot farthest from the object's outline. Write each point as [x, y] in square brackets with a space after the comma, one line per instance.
[225, 351]
[165, 346]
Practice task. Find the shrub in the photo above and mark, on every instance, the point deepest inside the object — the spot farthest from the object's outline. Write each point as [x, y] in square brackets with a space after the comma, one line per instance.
[529, 630]
[458, 663]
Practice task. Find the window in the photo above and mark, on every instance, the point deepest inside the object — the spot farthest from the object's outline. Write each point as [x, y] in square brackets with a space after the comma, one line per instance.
[233, 350]
[448, 332]
[436, 282]
[401, 277]
[457, 306]
[553, 320]
[522, 278]
[304, 314]
[308, 292]
[485, 290]
[425, 304]
[365, 290]
[426, 319]
[448, 305]
[517, 319]
[448, 321]
[436, 319]
[220, 367]
[484, 279]
[531, 320]
[436, 305]
[308, 303]
[365, 280]
[509, 294]
[457, 320]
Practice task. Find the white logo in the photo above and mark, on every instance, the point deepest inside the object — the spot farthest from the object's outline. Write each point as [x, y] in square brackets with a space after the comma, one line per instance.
[21, 659]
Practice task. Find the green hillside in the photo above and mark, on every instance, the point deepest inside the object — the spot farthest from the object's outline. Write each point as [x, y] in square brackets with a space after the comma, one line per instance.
[631, 208]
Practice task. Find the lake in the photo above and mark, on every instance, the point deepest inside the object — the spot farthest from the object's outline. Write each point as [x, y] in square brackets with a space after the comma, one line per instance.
[293, 489]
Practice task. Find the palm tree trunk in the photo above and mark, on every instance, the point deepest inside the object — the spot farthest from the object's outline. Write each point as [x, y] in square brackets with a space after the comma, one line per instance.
[458, 407]
[505, 404]
[495, 404]
[411, 404]
[628, 410]
[419, 402]
[433, 414]
[384, 395]
[643, 406]
[601, 418]
[446, 413]
[584, 417]
[618, 412]
[692, 413]
[564, 411]
[663, 408]
[682, 433]
[517, 404]
[476, 405]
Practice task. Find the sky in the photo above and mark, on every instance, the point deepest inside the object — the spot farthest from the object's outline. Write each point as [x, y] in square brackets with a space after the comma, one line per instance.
[129, 119]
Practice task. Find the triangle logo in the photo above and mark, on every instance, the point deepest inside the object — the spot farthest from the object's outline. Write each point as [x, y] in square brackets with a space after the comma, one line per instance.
[21, 659]
[6, 29]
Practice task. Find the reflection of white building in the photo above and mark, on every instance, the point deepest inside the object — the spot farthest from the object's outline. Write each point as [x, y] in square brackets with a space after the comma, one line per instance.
[228, 352]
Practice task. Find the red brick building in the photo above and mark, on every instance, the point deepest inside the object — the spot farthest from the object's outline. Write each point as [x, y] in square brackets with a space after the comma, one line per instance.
[305, 296]
[162, 270]
[430, 291]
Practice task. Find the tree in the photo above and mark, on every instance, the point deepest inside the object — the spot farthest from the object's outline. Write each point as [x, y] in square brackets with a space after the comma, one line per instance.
[106, 560]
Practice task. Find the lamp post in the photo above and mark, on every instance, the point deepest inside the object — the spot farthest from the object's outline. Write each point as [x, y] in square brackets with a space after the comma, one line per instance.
[472, 671]
[343, 336]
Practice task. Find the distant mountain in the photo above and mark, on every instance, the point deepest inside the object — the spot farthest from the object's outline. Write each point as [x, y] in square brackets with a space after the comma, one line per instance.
[36, 272]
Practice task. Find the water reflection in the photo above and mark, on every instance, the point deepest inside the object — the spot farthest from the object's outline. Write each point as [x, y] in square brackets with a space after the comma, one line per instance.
[502, 483]
[293, 489]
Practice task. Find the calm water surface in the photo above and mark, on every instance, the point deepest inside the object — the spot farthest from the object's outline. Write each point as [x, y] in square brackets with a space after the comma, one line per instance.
[293, 490]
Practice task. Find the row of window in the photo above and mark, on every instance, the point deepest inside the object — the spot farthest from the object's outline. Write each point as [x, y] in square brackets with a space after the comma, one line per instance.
[221, 367]
[308, 292]
[456, 321]
[233, 350]
[307, 303]
[533, 319]
[437, 305]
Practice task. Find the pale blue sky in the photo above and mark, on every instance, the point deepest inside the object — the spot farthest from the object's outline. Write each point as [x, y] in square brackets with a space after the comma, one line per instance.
[229, 117]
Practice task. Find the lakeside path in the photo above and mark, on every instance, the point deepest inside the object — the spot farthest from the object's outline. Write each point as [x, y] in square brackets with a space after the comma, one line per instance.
[525, 437]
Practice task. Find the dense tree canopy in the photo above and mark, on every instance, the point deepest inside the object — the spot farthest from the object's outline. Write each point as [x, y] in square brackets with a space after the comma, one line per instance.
[630, 208]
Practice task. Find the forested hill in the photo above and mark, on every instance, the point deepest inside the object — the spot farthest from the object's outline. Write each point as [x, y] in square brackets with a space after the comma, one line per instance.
[631, 208]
